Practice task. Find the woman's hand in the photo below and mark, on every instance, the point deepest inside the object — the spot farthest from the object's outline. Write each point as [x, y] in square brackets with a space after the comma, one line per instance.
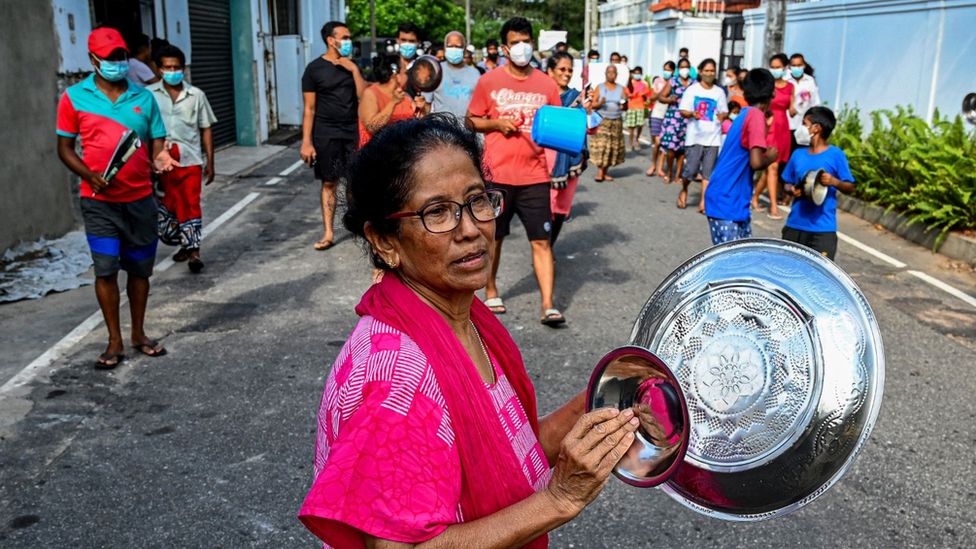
[587, 456]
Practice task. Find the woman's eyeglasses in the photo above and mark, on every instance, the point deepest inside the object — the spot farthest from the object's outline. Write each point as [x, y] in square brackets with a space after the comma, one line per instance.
[445, 216]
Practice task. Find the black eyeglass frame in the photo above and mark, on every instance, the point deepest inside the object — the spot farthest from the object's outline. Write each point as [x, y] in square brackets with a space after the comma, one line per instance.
[421, 213]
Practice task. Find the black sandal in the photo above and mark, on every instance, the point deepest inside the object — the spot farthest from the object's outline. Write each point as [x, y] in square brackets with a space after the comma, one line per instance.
[105, 360]
[150, 348]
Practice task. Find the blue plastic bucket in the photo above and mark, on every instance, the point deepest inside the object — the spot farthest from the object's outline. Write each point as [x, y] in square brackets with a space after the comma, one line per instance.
[560, 128]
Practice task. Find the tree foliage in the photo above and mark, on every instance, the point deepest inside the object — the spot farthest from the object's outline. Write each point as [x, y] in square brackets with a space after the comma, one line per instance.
[434, 17]
[927, 171]
[567, 15]
[437, 17]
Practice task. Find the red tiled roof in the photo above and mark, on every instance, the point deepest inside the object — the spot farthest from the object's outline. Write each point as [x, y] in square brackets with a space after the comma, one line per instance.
[731, 6]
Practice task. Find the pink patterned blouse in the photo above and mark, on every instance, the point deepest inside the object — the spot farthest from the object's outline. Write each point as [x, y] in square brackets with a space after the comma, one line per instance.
[385, 459]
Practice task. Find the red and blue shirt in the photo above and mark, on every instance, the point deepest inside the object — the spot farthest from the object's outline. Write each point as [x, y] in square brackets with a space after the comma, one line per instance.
[85, 112]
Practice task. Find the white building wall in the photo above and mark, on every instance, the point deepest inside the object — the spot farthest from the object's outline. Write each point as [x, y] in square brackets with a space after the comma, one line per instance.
[651, 44]
[877, 54]
[616, 13]
[72, 24]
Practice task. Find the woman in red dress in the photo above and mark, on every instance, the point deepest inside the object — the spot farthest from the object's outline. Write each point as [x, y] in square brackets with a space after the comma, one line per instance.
[781, 109]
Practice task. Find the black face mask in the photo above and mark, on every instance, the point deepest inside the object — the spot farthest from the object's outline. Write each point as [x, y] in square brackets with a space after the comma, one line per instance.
[493, 56]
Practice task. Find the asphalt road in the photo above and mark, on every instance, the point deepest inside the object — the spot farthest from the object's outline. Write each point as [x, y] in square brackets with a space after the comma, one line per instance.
[211, 446]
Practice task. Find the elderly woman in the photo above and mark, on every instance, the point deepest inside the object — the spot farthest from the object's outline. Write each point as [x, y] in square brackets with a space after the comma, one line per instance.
[607, 146]
[427, 432]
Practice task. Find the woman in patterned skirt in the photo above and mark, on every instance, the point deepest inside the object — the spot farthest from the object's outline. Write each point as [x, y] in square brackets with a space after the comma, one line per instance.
[673, 138]
[607, 146]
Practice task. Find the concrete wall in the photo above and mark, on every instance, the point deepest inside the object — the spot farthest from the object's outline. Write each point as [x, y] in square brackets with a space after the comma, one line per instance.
[34, 185]
[649, 45]
[880, 53]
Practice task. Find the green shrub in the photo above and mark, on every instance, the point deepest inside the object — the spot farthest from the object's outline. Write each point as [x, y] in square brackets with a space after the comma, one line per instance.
[927, 171]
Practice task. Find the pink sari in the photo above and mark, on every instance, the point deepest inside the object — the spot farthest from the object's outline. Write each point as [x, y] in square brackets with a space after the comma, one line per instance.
[411, 440]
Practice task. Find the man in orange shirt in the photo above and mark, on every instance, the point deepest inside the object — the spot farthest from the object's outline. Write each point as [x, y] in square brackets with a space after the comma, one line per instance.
[502, 107]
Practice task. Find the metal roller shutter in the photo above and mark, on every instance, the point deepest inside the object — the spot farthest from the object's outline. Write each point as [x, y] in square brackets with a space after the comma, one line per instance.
[211, 66]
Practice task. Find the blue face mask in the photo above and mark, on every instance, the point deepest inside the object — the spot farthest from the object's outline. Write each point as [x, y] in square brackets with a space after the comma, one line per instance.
[113, 71]
[408, 50]
[173, 78]
[345, 48]
[777, 73]
[667, 74]
[454, 56]
[797, 72]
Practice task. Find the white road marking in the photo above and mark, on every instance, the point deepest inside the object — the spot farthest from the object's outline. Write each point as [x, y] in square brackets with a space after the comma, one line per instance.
[944, 287]
[951, 290]
[287, 171]
[224, 217]
[273, 181]
[45, 362]
[868, 249]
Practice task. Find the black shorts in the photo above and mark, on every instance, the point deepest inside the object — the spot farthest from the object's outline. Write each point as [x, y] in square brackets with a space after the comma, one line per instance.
[121, 235]
[823, 243]
[332, 156]
[531, 203]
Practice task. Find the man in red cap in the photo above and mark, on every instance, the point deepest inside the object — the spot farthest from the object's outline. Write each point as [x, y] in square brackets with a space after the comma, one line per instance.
[119, 210]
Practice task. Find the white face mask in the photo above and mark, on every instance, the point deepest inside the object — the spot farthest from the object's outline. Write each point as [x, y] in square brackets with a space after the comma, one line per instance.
[802, 134]
[684, 72]
[520, 53]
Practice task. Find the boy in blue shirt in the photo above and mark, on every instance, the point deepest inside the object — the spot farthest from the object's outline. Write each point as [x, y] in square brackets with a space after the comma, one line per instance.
[809, 224]
[744, 152]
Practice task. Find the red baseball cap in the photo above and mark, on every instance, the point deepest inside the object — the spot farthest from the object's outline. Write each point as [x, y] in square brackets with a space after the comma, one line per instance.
[103, 41]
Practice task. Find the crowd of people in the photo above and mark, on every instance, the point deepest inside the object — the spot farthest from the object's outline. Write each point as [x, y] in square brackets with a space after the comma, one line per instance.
[466, 456]
[428, 407]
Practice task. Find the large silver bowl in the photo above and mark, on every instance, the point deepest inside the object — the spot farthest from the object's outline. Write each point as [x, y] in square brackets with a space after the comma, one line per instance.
[781, 364]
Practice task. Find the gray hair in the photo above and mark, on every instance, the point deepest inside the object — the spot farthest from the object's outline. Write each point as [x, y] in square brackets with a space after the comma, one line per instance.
[464, 41]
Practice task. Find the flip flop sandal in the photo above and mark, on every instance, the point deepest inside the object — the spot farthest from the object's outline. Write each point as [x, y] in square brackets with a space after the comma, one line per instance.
[108, 361]
[553, 318]
[496, 305]
[323, 245]
[150, 348]
[775, 217]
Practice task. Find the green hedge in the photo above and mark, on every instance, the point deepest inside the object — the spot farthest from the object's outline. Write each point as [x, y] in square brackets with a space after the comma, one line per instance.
[927, 171]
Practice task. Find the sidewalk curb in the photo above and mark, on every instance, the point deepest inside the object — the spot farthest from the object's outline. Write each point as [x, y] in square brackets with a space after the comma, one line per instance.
[955, 246]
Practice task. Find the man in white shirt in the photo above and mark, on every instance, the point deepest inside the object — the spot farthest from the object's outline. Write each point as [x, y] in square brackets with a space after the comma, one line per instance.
[457, 79]
[705, 106]
[188, 118]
